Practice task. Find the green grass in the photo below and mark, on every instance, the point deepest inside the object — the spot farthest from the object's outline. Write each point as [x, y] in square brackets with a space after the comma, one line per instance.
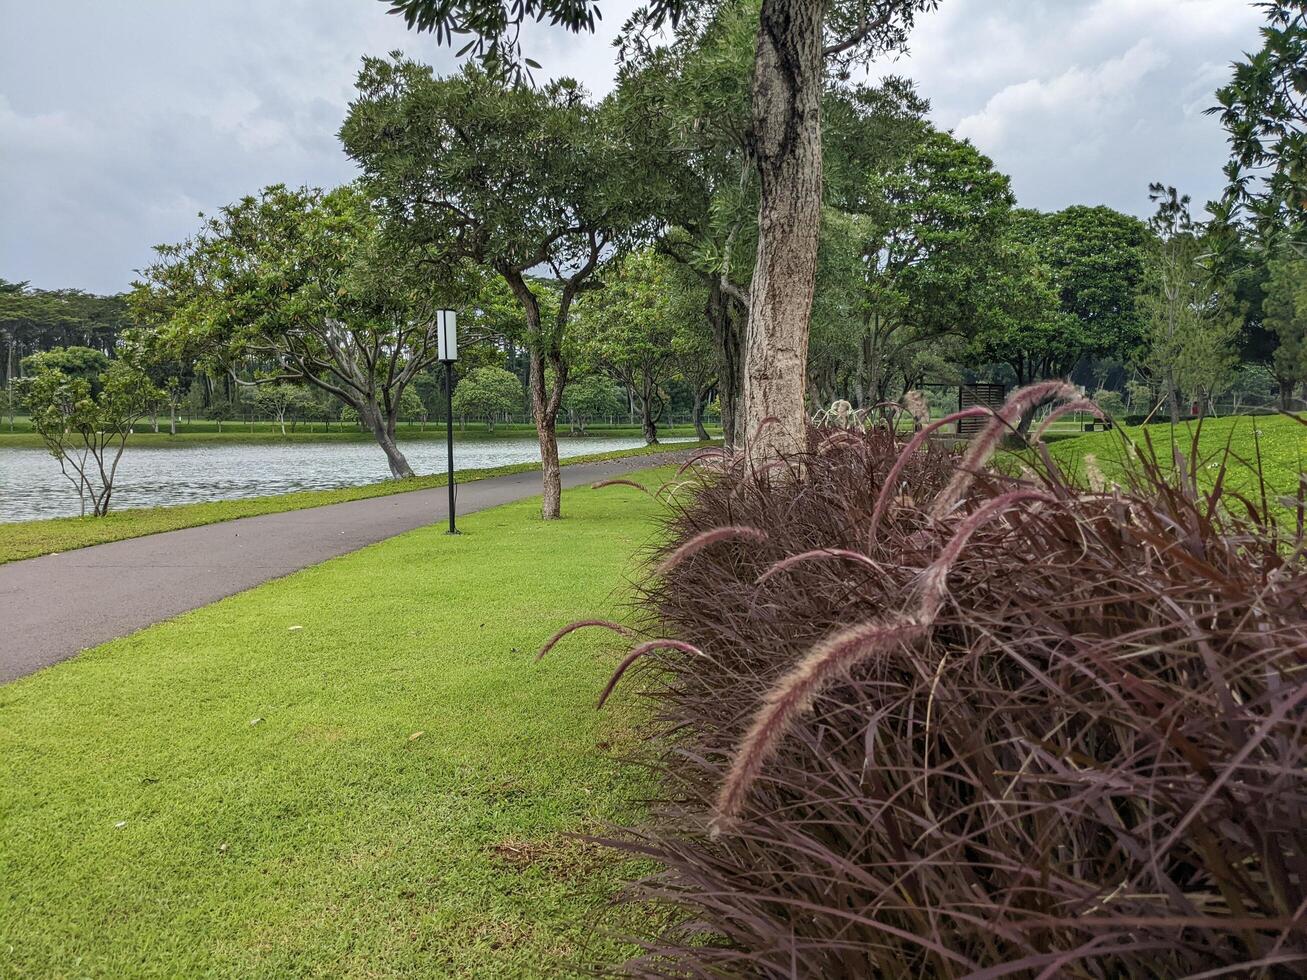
[242, 791]
[1281, 443]
[28, 539]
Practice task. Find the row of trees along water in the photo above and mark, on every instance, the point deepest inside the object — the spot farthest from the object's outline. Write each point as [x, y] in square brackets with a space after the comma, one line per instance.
[636, 249]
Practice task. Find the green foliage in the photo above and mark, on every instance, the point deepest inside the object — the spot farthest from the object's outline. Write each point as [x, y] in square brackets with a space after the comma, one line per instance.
[488, 393]
[590, 397]
[1193, 323]
[35, 320]
[73, 362]
[1264, 110]
[1110, 402]
[302, 282]
[932, 232]
[1094, 258]
[1286, 319]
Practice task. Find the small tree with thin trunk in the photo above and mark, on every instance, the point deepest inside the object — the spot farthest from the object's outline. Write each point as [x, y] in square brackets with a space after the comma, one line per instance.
[471, 167]
[85, 423]
[299, 286]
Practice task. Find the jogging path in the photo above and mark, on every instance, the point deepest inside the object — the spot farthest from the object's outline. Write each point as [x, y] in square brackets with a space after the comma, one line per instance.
[54, 606]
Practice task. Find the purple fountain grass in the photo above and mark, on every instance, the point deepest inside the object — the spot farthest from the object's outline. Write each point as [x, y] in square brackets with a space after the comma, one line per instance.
[706, 539]
[794, 695]
[1042, 732]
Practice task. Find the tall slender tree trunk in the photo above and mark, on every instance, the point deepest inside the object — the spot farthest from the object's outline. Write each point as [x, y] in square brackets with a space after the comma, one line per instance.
[1172, 398]
[648, 426]
[786, 144]
[545, 410]
[700, 432]
[727, 318]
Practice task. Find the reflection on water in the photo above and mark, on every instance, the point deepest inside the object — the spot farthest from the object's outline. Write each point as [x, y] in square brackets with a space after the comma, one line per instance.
[31, 485]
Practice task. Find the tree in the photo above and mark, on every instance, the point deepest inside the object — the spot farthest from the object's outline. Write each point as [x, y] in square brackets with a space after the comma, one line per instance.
[85, 423]
[1286, 318]
[487, 393]
[1264, 109]
[1193, 324]
[589, 397]
[73, 362]
[514, 179]
[33, 320]
[279, 401]
[629, 330]
[299, 286]
[1094, 258]
[931, 237]
[796, 42]
[9, 404]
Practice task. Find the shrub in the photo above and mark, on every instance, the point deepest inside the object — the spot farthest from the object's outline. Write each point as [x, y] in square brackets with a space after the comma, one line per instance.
[1037, 732]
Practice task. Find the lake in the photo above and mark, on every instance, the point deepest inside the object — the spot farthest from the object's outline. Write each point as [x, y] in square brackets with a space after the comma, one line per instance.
[32, 487]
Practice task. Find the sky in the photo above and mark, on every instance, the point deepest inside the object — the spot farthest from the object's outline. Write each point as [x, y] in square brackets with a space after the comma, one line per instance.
[121, 121]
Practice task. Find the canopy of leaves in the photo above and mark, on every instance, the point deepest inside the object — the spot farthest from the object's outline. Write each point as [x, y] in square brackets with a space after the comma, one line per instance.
[1095, 258]
[301, 282]
[929, 235]
[487, 392]
[1264, 109]
[1286, 317]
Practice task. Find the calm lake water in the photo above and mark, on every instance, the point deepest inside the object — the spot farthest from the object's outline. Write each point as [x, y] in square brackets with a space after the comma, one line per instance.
[32, 487]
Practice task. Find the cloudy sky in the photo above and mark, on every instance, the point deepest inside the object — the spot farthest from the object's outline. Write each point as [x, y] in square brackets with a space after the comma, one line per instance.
[119, 121]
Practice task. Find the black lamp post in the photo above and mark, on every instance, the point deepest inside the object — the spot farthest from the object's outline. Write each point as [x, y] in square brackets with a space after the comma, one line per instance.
[447, 352]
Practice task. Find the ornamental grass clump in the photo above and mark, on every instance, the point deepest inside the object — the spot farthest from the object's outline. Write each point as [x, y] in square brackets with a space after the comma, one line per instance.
[922, 719]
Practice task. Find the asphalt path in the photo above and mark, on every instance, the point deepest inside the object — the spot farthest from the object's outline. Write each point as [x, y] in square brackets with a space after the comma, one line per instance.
[55, 606]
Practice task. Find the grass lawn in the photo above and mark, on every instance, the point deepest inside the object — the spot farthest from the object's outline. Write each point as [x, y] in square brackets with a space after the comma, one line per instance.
[28, 539]
[1280, 441]
[353, 771]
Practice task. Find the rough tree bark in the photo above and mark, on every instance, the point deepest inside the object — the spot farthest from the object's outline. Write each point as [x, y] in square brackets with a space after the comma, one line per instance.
[544, 405]
[786, 144]
[726, 317]
[700, 432]
[383, 430]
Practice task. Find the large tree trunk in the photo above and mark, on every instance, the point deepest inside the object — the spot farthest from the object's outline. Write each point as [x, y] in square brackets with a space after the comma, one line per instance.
[1172, 398]
[545, 409]
[786, 143]
[384, 433]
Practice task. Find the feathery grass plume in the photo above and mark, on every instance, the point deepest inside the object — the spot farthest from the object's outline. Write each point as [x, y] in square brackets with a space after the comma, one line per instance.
[640, 651]
[704, 540]
[579, 625]
[1066, 408]
[794, 695]
[1020, 402]
[915, 404]
[795, 692]
[934, 581]
[889, 487]
[818, 554]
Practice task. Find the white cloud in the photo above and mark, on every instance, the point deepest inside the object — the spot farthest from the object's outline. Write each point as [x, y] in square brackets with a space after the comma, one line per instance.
[1068, 101]
[118, 121]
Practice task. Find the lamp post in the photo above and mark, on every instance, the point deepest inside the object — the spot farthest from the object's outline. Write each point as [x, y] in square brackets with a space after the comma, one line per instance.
[447, 353]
